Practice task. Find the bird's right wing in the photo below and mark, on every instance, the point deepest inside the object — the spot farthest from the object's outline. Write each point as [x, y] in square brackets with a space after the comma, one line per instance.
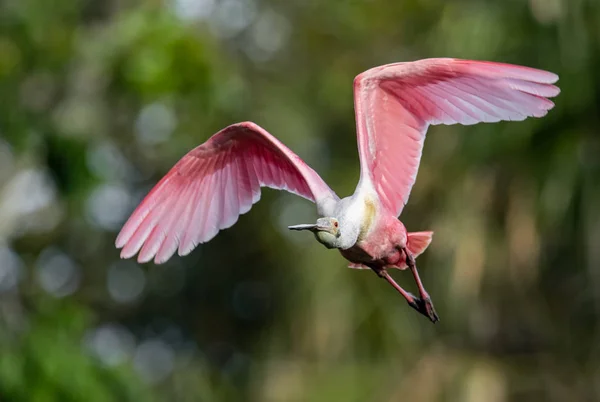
[211, 186]
[396, 103]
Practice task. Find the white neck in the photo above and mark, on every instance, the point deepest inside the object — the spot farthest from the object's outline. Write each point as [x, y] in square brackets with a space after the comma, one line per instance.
[354, 214]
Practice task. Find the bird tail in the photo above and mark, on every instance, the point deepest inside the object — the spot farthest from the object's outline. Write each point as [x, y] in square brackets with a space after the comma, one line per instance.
[418, 241]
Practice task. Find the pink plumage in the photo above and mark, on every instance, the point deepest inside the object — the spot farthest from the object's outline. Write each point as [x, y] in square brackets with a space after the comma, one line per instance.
[210, 187]
[213, 184]
[396, 103]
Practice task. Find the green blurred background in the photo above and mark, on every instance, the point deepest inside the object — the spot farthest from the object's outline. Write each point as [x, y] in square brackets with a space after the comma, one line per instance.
[98, 99]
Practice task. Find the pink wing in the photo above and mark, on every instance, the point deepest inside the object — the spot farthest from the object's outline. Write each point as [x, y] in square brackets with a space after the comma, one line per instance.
[396, 103]
[211, 186]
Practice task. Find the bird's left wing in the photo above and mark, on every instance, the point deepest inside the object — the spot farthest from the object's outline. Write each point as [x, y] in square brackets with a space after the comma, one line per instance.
[396, 103]
[211, 186]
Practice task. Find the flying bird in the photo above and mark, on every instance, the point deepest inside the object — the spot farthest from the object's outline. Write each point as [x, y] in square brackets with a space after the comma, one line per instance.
[216, 182]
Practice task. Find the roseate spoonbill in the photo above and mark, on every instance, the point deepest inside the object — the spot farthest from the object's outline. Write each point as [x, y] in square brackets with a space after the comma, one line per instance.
[213, 184]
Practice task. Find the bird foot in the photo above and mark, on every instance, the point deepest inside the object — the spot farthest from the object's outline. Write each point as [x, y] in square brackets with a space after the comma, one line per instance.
[425, 307]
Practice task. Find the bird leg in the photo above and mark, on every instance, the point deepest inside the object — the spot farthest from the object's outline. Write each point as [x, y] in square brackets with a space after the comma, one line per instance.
[425, 304]
[418, 304]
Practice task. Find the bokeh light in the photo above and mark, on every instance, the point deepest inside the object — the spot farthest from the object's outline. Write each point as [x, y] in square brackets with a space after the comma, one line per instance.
[11, 269]
[57, 273]
[125, 281]
[111, 343]
[153, 360]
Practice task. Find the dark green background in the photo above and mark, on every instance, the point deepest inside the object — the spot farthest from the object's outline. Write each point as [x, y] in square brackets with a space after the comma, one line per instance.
[98, 99]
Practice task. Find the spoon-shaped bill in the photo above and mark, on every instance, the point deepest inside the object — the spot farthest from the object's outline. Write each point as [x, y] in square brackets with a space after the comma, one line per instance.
[304, 226]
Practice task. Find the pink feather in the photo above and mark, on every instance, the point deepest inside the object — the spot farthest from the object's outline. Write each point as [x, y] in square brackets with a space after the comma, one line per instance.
[210, 187]
[396, 103]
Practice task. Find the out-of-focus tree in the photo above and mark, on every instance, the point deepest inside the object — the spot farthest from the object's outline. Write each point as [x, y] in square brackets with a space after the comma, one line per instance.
[99, 99]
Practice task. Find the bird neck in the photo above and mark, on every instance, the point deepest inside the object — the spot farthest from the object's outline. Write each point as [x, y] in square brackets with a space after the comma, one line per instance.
[356, 216]
[347, 239]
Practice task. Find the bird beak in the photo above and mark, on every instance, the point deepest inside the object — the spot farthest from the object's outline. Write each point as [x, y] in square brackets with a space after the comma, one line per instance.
[310, 227]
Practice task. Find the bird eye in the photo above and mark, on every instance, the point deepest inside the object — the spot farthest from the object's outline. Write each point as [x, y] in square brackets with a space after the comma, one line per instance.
[335, 224]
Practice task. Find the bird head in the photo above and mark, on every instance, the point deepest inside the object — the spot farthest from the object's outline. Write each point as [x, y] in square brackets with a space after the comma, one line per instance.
[326, 230]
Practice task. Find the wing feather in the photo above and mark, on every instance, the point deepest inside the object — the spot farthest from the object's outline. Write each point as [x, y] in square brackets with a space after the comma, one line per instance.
[211, 186]
[396, 103]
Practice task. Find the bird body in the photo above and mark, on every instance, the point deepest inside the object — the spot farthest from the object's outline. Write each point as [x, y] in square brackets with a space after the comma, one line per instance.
[381, 247]
[213, 184]
[381, 237]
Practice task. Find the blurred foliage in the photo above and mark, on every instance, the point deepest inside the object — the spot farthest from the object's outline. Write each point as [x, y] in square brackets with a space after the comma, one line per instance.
[99, 98]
